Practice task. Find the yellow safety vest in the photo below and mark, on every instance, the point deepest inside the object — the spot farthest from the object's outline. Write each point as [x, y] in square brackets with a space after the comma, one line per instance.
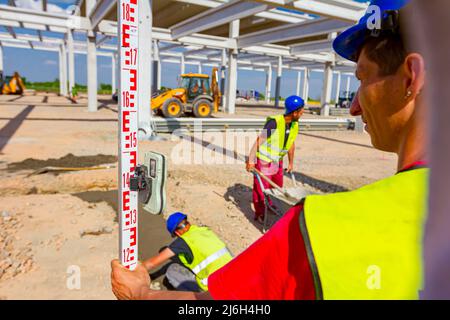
[210, 253]
[367, 243]
[274, 149]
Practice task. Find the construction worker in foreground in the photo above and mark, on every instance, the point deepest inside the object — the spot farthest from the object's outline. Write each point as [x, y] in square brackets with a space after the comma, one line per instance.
[361, 244]
[276, 140]
[199, 251]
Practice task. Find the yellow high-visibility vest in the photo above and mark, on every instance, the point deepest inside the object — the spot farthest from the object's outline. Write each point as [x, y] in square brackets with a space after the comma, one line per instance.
[274, 148]
[367, 243]
[210, 253]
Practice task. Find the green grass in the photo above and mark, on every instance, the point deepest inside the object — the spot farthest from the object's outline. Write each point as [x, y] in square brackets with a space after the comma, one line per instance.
[53, 86]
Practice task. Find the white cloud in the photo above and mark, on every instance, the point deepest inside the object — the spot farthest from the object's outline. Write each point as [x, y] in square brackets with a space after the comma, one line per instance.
[49, 62]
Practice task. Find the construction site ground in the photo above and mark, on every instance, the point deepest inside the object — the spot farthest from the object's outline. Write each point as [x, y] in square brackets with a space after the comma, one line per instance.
[56, 223]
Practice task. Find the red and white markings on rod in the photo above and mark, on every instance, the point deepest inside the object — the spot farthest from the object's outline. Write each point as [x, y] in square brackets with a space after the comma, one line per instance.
[128, 127]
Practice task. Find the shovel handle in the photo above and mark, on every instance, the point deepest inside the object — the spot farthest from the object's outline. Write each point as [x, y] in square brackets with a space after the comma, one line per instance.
[273, 184]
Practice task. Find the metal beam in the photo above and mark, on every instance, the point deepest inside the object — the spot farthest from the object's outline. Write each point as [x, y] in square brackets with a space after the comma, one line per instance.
[196, 51]
[101, 9]
[29, 37]
[312, 47]
[11, 32]
[292, 32]
[41, 19]
[102, 40]
[274, 14]
[110, 28]
[170, 47]
[213, 42]
[230, 100]
[39, 33]
[220, 15]
[350, 11]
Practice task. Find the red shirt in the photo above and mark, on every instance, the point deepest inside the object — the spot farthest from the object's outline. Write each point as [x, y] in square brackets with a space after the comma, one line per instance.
[273, 268]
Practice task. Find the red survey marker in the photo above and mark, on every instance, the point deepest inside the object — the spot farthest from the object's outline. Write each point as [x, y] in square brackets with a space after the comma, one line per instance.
[128, 131]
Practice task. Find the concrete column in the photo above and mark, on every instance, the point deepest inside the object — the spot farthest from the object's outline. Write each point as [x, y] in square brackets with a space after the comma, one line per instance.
[182, 65]
[91, 64]
[305, 92]
[278, 82]
[71, 61]
[223, 67]
[62, 70]
[338, 87]
[145, 69]
[156, 67]
[347, 89]
[113, 72]
[327, 86]
[268, 83]
[200, 70]
[92, 73]
[299, 78]
[232, 71]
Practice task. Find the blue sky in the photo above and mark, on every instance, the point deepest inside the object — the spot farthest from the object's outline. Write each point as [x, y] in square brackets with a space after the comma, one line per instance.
[43, 66]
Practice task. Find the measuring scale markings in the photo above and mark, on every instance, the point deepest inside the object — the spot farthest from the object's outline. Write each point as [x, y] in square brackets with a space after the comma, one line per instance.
[128, 127]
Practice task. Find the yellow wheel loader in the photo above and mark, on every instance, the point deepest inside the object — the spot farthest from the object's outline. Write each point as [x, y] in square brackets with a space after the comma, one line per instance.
[195, 95]
[12, 85]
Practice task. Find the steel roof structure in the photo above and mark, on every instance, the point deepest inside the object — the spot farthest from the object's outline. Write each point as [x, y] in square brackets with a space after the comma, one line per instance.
[260, 35]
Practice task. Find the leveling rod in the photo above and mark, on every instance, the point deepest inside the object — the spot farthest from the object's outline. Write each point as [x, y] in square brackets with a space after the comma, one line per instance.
[128, 18]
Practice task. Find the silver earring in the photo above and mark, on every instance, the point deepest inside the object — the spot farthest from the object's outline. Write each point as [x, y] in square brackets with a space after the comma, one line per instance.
[408, 94]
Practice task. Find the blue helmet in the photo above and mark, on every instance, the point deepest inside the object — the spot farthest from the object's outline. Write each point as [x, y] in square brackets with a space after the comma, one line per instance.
[293, 103]
[174, 220]
[350, 41]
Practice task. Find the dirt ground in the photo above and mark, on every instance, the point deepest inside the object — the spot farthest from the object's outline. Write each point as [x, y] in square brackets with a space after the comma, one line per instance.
[56, 226]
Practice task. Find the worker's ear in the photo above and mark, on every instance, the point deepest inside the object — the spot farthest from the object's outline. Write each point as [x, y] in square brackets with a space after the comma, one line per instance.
[414, 70]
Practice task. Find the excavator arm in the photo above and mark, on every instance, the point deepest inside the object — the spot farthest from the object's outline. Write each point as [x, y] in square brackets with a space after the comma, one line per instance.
[215, 89]
[15, 85]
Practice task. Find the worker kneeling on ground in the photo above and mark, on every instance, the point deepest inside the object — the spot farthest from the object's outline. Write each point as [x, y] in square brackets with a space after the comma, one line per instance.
[200, 252]
[362, 244]
[276, 140]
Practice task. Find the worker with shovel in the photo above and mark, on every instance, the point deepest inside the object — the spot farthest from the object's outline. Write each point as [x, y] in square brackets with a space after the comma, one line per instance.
[196, 253]
[266, 156]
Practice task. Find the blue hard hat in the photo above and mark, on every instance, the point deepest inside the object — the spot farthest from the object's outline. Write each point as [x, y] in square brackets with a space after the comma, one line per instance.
[293, 103]
[349, 42]
[174, 220]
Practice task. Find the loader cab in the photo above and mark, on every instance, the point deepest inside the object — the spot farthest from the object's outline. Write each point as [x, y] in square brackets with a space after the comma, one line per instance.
[195, 85]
